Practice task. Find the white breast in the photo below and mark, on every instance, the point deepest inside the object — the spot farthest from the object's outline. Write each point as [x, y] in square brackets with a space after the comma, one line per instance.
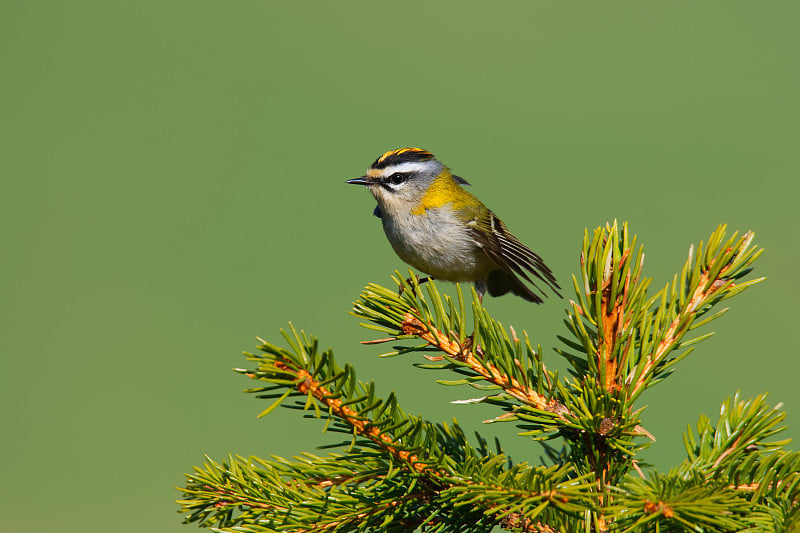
[436, 243]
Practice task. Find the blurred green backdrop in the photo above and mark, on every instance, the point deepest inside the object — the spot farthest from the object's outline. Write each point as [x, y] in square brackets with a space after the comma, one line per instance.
[173, 185]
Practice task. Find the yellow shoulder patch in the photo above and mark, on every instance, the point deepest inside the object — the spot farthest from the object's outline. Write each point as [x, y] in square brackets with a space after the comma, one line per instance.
[444, 190]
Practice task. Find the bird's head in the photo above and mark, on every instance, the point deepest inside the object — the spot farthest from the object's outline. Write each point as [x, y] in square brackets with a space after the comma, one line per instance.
[399, 179]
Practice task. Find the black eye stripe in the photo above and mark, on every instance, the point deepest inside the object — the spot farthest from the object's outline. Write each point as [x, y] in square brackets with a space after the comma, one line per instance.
[395, 178]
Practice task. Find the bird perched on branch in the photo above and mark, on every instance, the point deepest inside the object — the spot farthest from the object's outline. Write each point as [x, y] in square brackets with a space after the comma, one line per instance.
[436, 226]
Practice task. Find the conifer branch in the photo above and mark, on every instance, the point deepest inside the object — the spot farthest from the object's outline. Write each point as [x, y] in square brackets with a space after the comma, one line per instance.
[508, 371]
[305, 384]
[625, 335]
[399, 472]
[737, 451]
[678, 503]
[471, 356]
[448, 472]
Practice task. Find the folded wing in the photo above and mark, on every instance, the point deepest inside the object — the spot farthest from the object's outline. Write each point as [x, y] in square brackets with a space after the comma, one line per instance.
[514, 260]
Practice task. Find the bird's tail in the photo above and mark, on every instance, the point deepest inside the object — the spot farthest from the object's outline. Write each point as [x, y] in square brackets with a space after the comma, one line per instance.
[500, 282]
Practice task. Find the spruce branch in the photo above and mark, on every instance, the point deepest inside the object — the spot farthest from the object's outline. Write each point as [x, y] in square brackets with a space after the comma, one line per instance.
[626, 336]
[447, 473]
[400, 472]
[351, 405]
[749, 482]
[736, 452]
[257, 495]
[472, 357]
[678, 503]
[509, 373]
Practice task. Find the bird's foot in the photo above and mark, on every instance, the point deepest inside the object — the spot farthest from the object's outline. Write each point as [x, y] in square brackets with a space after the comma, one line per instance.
[420, 281]
[470, 347]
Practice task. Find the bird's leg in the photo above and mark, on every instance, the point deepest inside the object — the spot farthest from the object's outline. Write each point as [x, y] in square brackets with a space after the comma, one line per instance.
[480, 288]
[420, 281]
[469, 345]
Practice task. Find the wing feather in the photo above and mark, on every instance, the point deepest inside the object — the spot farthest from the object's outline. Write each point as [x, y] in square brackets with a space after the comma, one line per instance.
[510, 255]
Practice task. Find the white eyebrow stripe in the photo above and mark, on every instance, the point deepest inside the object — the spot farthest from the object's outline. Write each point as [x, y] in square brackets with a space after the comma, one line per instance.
[410, 166]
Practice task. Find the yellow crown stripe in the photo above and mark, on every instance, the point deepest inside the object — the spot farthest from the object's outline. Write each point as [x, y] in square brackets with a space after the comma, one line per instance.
[401, 151]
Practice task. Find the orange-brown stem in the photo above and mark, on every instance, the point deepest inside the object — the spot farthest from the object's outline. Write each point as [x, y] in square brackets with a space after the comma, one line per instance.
[613, 321]
[518, 523]
[658, 507]
[466, 354]
[306, 384]
[697, 300]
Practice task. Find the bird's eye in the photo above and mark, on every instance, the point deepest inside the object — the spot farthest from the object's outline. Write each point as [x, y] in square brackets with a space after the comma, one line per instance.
[397, 178]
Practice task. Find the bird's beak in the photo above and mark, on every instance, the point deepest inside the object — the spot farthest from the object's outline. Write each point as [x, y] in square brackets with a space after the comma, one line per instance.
[363, 180]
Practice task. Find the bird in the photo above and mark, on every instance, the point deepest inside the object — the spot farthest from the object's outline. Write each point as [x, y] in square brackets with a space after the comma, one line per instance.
[441, 229]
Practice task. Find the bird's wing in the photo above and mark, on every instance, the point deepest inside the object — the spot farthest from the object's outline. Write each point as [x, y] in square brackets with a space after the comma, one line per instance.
[509, 253]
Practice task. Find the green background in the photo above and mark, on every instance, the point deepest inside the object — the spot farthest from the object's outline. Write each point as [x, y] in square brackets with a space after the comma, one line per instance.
[172, 184]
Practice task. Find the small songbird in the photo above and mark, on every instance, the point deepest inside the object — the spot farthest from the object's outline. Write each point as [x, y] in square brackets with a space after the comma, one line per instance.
[437, 227]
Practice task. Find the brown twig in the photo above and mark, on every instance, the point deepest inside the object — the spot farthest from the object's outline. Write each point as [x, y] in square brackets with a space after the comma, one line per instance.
[613, 318]
[697, 300]
[466, 354]
[727, 452]
[306, 384]
[658, 507]
[518, 523]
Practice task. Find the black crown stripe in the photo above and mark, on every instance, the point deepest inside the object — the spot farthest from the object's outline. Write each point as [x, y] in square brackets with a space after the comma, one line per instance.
[402, 155]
